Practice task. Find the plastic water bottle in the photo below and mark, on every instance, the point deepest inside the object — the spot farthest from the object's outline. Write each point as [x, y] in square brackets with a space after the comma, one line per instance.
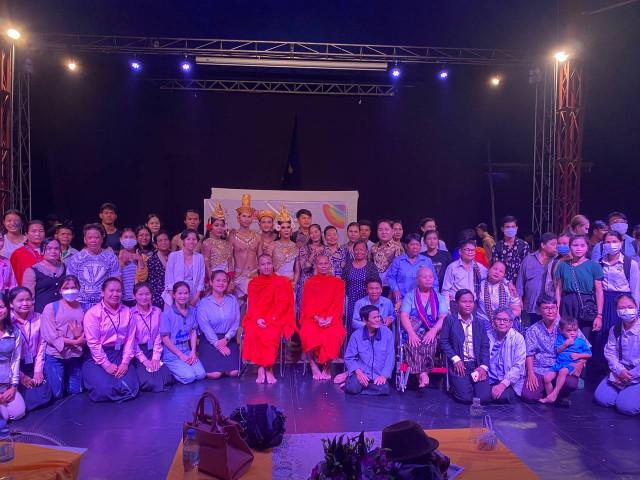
[190, 454]
[476, 416]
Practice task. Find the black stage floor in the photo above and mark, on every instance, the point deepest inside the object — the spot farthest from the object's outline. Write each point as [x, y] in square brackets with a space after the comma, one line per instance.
[138, 439]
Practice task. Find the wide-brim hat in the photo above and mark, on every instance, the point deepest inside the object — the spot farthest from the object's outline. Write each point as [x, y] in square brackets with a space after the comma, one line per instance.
[407, 440]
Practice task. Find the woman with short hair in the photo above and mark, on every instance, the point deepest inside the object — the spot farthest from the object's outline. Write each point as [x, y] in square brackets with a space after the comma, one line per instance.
[185, 265]
[156, 266]
[31, 252]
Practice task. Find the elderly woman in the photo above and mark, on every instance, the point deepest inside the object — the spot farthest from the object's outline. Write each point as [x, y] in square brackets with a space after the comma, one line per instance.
[404, 268]
[507, 355]
[422, 312]
[494, 294]
[621, 389]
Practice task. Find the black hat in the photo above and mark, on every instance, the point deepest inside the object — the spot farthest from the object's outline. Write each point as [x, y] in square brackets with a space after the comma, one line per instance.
[407, 441]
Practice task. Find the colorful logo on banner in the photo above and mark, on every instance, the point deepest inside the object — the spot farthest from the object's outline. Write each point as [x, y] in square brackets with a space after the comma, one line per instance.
[335, 213]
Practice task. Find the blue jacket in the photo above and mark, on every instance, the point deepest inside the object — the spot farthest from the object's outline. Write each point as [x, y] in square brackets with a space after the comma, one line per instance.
[375, 356]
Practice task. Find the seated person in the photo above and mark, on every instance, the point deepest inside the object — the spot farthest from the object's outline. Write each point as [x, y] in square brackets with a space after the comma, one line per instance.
[622, 351]
[463, 339]
[370, 356]
[321, 311]
[569, 348]
[494, 294]
[11, 402]
[422, 314]
[507, 355]
[270, 316]
[374, 297]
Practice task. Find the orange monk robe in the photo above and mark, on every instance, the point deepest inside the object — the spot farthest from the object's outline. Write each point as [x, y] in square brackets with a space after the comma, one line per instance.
[322, 295]
[270, 298]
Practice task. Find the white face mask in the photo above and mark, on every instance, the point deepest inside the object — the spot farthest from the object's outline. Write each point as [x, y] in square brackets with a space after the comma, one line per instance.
[511, 232]
[70, 295]
[627, 314]
[128, 243]
[612, 248]
[621, 228]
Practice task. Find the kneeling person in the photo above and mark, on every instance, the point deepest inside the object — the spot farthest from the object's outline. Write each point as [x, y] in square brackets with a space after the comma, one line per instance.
[370, 355]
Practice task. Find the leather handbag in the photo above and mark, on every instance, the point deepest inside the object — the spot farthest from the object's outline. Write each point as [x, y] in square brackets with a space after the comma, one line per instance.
[223, 452]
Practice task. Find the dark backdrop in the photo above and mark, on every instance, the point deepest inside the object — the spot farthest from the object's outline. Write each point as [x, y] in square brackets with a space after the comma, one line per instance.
[109, 135]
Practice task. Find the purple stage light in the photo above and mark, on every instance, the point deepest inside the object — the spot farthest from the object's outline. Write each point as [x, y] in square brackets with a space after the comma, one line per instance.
[443, 75]
[135, 65]
[185, 66]
[395, 72]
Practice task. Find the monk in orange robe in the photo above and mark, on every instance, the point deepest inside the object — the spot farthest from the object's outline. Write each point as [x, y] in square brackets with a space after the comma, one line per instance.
[321, 311]
[270, 316]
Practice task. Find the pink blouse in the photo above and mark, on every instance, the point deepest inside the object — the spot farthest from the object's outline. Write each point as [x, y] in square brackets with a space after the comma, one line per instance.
[147, 332]
[104, 327]
[56, 327]
[7, 278]
[33, 344]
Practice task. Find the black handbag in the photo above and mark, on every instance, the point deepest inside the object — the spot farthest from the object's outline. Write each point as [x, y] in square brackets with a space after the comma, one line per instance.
[262, 425]
[588, 308]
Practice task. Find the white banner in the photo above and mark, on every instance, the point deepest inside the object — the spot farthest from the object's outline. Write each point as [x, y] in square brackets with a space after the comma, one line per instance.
[327, 208]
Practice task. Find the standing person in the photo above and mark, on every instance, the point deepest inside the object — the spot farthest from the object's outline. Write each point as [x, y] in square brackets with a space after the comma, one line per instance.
[11, 402]
[617, 223]
[92, 265]
[144, 244]
[44, 278]
[152, 375]
[464, 273]
[178, 328]
[64, 335]
[217, 250]
[428, 224]
[373, 296]
[305, 220]
[33, 387]
[356, 276]
[12, 221]
[353, 235]
[7, 278]
[266, 219]
[185, 265]
[579, 287]
[284, 252]
[154, 224]
[270, 317]
[31, 252]
[306, 262]
[111, 334]
[482, 230]
[622, 386]
[439, 258]
[133, 267]
[422, 315]
[404, 268]
[64, 234]
[579, 225]
[384, 252]
[511, 250]
[464, 341]
[321, 311]
[191, 222]
[507, 356]
[156, 266]
[600, 228]
[108, 215]
[495, 294]
[366, 227]
[398, 232]
[218, 317]
[337, 255]
[245, 244]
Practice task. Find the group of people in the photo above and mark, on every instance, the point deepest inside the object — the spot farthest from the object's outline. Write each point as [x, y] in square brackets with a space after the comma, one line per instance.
[137, 310]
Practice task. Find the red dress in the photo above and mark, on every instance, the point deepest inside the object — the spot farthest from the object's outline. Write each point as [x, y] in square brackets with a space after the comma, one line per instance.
[322, 295]
[23, 258]
[270, 297]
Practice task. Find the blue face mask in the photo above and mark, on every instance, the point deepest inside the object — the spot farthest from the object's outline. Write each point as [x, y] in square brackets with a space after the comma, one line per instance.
[563, 249]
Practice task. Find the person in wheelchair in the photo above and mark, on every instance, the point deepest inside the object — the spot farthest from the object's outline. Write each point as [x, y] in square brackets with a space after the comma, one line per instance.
[422, 314]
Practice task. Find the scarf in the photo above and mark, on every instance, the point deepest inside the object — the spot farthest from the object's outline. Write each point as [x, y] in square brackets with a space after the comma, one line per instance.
[503, 299]
[429, 320]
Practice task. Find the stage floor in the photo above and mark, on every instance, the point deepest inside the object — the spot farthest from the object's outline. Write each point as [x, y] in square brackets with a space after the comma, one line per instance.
[138, 439]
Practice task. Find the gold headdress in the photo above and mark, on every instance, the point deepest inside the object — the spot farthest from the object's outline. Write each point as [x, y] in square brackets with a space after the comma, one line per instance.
[246, 207]
[218, 212]
[283, 214]
[266, 213]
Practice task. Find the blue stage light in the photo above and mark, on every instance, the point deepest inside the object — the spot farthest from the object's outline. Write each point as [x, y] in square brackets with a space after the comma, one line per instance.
[136, 65]
[443, 74]
[185, 66]
[395, 72]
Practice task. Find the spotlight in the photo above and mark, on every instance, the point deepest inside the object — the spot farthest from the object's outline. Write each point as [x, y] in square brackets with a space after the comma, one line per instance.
[495, 81]
[13, 34]
[72, 65]
[135, 65]
[443, 74]
[561, 56]
[185, 66]
[396, 72]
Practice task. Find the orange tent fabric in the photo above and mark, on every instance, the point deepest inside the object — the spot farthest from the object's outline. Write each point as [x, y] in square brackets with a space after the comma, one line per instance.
[270, 297]
[322, 295]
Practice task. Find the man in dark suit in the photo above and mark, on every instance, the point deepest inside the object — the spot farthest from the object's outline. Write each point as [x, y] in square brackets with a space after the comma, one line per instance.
[463, 339]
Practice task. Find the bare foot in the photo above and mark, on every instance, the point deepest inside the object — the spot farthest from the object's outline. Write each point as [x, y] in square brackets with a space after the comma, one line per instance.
[261, 376]
[315, 371]
[271, 379]
[234, 373]
[340, 378]
[326, 373]
[552, 397]
[424, 380]
[214, 375]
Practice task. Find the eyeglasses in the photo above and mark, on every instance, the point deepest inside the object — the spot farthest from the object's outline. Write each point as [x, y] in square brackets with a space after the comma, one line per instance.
[468, 250]
[549, 307]
[502, 320]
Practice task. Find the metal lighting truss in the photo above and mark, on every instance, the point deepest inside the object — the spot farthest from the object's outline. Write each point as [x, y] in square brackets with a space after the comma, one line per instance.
[21, 158]
[6, 76]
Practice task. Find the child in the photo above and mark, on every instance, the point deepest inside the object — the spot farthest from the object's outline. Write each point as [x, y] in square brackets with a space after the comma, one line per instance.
[569, 349]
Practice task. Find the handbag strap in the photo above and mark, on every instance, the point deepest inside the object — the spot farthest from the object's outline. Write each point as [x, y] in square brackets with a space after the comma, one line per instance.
[216, 417]
[575, 279]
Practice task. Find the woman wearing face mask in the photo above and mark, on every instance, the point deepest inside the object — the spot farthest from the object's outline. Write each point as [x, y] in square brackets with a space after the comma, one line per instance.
[132, 265]
[43, 279]
[153, 376]
[30, 253]
[156, 265]
[64, 336]
[622, 351]
[111, 333]
[33, 387]
[11, 402]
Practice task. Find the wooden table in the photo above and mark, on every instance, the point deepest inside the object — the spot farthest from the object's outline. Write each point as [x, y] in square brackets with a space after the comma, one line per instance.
[38, 462]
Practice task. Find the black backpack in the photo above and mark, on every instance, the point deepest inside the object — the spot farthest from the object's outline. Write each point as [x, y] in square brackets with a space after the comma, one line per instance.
[262, 424]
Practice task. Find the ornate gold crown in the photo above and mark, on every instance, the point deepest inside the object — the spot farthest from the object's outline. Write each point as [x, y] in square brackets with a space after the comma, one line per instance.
[266, 213]
[283, 215]
[218, 213]
[246, 205]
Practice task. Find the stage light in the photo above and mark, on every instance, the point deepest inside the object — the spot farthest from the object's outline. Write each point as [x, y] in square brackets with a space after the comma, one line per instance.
[185, 66]
[136, 65]
[72, 65]
[495, 81]
[443, 74]
[396, 72]
[561, 56]
[13, 34]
